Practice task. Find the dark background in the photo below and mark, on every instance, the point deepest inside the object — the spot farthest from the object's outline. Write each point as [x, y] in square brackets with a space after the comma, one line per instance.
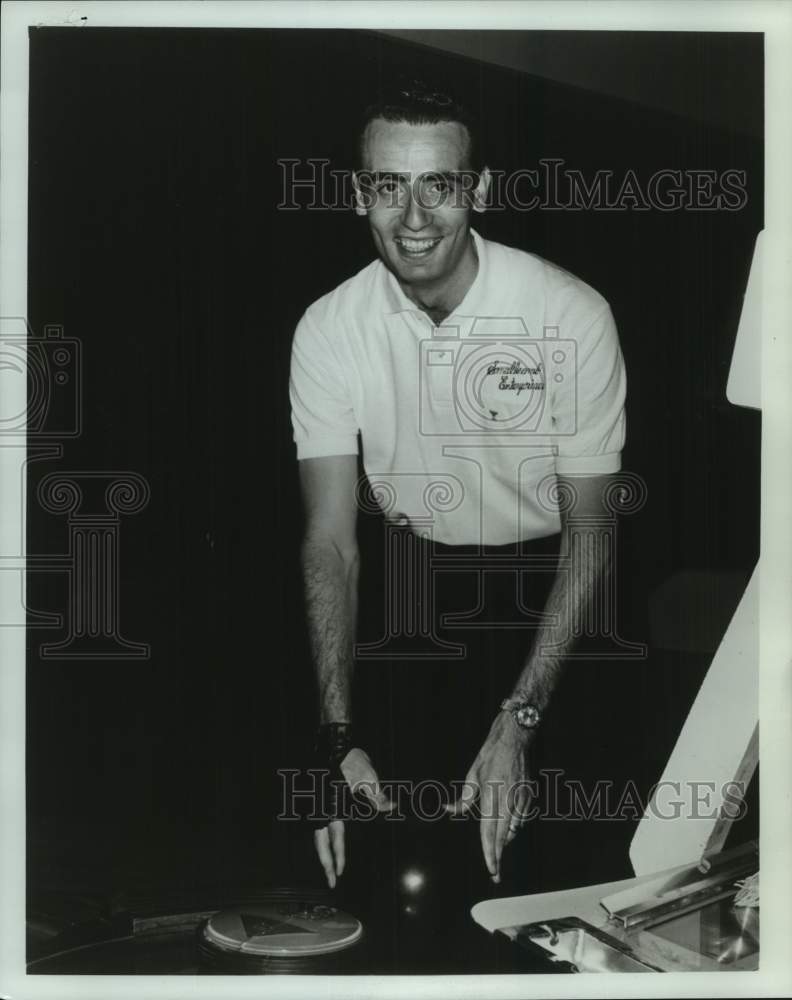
[155, 240]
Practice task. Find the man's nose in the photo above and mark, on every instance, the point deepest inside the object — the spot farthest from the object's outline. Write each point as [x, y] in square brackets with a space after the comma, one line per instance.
[416, 216]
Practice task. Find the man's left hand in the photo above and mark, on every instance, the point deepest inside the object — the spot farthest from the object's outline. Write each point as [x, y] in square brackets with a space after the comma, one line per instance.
[499, 780]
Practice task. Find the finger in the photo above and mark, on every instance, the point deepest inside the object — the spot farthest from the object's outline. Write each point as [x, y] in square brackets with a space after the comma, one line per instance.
[322, 844]
[337, 844]
[363, 780]
[467, 798]
[516, 823]
[383, 803]
[487, 830]
[517, 808]
[379, 798]
[501, 835]
[374, 793]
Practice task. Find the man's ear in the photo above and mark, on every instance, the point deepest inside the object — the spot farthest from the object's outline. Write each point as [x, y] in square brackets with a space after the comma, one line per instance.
[360, 197]
[481, 191]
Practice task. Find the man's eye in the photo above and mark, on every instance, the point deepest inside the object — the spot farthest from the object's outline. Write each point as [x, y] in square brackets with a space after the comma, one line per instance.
[439, 187]
[388, 187]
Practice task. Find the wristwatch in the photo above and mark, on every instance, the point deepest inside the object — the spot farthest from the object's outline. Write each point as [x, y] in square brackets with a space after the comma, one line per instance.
[525, 713]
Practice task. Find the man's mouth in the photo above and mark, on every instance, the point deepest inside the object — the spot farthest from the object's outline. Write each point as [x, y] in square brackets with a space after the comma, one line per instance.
[416, 248]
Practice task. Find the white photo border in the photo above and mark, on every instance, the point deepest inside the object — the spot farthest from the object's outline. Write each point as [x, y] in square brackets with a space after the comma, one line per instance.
[772, 18]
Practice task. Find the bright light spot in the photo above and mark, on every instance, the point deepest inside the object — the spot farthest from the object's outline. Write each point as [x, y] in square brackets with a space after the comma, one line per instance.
[413, 881]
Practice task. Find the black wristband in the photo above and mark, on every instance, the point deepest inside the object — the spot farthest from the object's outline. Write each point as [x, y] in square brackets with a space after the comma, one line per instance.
[333, 741]
[332, 799]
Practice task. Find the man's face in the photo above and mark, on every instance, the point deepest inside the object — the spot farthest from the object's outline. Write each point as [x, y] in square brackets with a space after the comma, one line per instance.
[417, 192]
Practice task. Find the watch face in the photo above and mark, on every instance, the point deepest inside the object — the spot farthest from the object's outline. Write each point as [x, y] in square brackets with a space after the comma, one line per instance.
[527, 716]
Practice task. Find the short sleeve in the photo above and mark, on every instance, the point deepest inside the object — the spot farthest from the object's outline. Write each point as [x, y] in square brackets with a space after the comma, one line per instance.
[323, 419]
[588, 402]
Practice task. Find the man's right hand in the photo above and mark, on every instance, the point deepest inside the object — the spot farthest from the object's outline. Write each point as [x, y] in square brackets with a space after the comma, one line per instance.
[362, 779]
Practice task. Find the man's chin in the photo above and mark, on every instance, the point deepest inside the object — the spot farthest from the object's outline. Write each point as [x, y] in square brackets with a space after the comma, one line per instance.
[415, 270]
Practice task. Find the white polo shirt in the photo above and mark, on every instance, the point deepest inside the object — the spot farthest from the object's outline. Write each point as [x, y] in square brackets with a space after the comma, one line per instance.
[464, 426]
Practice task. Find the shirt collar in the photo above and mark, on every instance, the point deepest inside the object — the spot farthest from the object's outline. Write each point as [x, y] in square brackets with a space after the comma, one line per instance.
[396, 301]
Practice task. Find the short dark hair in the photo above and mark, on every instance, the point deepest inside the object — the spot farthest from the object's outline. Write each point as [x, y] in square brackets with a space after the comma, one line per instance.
[418, 103]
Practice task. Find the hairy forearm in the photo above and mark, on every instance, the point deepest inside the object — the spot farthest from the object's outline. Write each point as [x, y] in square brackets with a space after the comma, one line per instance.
[568, 606]
[331, 579]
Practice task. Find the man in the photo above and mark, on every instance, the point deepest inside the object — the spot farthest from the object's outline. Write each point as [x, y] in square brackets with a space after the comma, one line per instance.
[400, 354]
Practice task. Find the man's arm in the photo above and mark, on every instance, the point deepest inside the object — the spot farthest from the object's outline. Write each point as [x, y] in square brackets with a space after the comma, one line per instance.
[330, 564]
[498, 777]
[573, 589]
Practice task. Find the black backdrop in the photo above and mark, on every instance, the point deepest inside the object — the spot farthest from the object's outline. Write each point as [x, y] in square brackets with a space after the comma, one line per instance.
[154, 238]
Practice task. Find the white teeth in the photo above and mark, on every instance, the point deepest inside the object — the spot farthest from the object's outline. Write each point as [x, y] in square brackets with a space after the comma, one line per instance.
[416, 246]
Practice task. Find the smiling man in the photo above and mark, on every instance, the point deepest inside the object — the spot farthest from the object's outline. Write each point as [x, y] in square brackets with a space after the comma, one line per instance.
[459, 361]
[414, 188]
